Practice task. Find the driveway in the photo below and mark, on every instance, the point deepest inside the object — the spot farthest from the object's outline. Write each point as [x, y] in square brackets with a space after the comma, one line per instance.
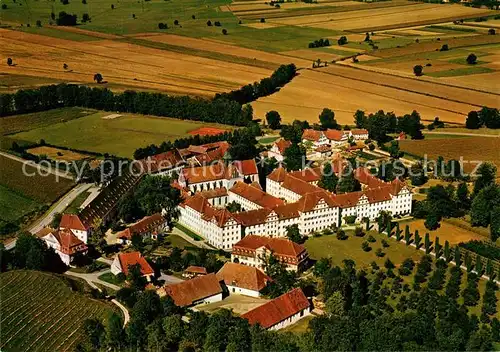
[169, 279]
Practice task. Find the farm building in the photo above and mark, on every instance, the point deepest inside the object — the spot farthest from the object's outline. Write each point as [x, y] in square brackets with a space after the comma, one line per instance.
[254, 250]
[148, 227]
[278, 148]
[194, 271]
[243, 279]
[76, 226]
[281, 312]
[64, 242]
[123, 261]
[201, 289]
[358, 134]
[198, 155]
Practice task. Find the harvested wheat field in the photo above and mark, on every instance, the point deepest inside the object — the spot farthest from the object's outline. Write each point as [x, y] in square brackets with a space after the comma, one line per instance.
[405, 15]
[57, 154]
[446, 232]
[123, 64]
[206, 44]
[311, 55]
[345, 90]
[471, 149]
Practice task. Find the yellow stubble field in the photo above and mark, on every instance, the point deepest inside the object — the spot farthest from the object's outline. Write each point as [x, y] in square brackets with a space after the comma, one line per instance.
[345, 90]
[122, 64]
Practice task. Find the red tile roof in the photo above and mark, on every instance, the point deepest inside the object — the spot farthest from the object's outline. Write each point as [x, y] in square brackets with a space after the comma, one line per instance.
[297, 185]
[278, 174]
[214, 193]
[246, 167]
[73, 222]
[280, 247]
[308, 174]
[311, 135]
[163, 161]
[359, 132]
[188, 292]
[252, 217]
[68, 242]
[243, 276]
[279, 309]
[196, 269]
[133, 258]
[146, 224]
[309, 201]
[335, 135]
[282, 145]
[256, 195]
[212, 172]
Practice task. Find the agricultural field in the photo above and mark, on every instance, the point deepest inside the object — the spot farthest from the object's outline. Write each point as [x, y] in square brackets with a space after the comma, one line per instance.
[338, 250]
[471, 149]
[57, 154]
[15, 204]
[345, 89]
[446, 232]
[122, 64]
[40, 312]
[44, 189]
[120, 135]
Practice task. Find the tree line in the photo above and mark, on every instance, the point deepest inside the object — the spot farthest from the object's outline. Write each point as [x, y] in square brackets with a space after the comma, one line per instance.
[266, 86]
[219, 110]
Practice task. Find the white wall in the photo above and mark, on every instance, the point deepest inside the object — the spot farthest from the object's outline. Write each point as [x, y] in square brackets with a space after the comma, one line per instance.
[291, 320]
[242, 291]
[116, 268]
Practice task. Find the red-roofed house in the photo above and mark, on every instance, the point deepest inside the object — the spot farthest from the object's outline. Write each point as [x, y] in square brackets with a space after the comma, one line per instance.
[278, 148]
[64, 242]
[148, 227]
[248, 169]
[243, 279]
[253, 250]
[76, 225]
[198, 155]
[336, 137]
[359, 134]
[252, 197]
[315, 138]
[202, 289]
[193, 271]
[282, 311]
[123, 261]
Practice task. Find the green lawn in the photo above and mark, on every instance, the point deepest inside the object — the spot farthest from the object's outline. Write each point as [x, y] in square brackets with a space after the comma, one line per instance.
[338, 250]
[26, 122]
[74, 207]
[178, 241]
[473, 70]
[111, 278]
[119, 136]
[14, 205]
[268, 140]
[40, 312]
[188, 232]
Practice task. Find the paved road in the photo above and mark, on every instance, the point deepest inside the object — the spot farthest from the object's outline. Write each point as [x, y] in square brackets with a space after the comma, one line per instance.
[52, 170]
[92, 278]
[62, 204]
[59, 207]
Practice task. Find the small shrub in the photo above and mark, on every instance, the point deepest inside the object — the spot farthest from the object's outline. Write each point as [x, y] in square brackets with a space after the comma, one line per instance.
[366, 247]
[224, 31]
[379, 253]
[341, 235]
[217, 24]
[262, 20]
[193, 17]
[209, 23]
[491, 31]
[444, 47]
[358, 232]
[471, 59]
[4, 6]
[371, 239]
[385, 244]
[176, 22]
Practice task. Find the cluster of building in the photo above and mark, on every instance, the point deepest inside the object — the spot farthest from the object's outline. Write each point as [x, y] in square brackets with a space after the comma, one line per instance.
[245, 275]
[291, 198]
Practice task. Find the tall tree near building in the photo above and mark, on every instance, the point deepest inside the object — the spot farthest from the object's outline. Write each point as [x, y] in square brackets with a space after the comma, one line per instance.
[328, 179]
[294, 157]
[273, 119]
[327, 119]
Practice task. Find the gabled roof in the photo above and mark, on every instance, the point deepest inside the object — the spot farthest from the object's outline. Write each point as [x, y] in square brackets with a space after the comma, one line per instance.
[287, 211]
[196, 269]
[252, 217]
[279, 246]
[219, 216]
[246, 167]
[323, 149]
[73, 222]
[133, 258]
[297, 185]
[348, 200]
[311, 135]
[282, 145]
[309, 201]
[214, 193]
[188, 292]
[364, 176]
[69, 244]
[308, 174]
[278, 174]
[163, 161]
[279, 309]
[256, 195]
[243, 276]
[335, 135]
[359, 132]
[144, 225]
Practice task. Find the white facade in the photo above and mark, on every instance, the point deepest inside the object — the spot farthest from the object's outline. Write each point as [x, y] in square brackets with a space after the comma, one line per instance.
[246, 204]
[291, 320]
[116, 268]
[242, 291]
[81, 235]
[209, 299]
[53, 243]
[274, 152]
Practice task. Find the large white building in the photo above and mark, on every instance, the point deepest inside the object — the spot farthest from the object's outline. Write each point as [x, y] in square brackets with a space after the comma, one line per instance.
[291, 198]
